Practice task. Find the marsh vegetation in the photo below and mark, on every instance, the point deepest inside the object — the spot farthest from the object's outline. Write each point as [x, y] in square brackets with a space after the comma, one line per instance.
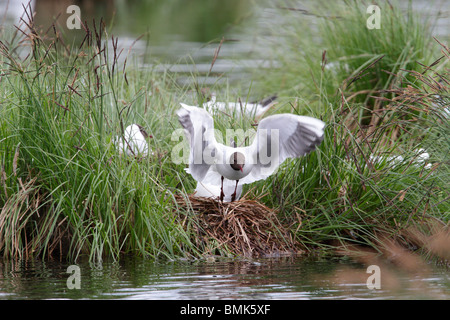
[66, 191]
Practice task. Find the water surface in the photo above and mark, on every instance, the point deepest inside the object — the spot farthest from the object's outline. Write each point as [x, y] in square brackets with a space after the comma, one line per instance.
[183, 36]
[262, 279]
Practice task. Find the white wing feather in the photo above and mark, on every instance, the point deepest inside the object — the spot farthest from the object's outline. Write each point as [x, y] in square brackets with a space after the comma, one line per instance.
[280, 137]
[198, 126]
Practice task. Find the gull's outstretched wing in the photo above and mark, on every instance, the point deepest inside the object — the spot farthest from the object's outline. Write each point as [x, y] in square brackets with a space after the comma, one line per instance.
[280, 137]
[199, 129]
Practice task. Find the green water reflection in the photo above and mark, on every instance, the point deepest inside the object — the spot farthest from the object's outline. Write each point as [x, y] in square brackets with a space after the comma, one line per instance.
[192, 20]
[283, 278]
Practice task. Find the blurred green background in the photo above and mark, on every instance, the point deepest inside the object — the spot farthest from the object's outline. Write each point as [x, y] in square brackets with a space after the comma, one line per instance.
[186, 20]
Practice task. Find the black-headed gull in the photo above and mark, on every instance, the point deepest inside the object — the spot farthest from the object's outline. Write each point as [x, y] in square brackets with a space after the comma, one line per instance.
[134, 141]
[278, 137]
[254, 109]
[208, 190]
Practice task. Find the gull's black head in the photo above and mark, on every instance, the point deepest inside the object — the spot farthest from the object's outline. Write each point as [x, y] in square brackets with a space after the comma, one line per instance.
[237, 161]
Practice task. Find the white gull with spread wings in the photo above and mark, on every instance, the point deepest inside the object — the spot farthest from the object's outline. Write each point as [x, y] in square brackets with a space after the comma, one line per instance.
[278, 138]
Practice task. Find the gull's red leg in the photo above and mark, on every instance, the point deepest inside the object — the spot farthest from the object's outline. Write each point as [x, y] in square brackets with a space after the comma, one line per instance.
[221, 191]
[233, 196]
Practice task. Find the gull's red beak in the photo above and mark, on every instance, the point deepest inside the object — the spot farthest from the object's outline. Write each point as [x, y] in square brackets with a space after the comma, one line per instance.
[241, 169]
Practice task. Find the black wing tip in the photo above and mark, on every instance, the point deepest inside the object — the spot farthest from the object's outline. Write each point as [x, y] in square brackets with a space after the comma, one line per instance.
[269, 100]
[185, 120]
[265, 102]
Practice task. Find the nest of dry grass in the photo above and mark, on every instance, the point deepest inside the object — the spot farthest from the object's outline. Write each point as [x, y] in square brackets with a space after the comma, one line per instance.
[244, 228]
